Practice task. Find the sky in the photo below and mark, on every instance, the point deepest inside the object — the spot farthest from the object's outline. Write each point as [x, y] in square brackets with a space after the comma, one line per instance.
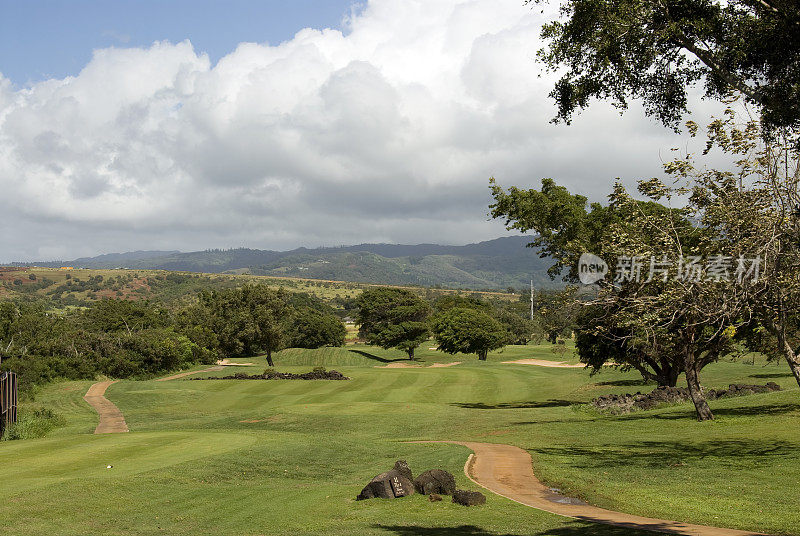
[188, 125]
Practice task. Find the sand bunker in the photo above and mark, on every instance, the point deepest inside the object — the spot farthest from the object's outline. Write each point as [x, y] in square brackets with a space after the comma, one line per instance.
[544, 363]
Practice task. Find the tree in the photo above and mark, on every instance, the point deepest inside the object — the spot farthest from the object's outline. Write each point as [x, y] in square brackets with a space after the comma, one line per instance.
[312, 329]
[557, 311]
[248, 320]
[687, 321]
[450, 301]
[517, 325]
[393, 318]
[756, 208]
[110, 315]
[654, 49]
[468, 331]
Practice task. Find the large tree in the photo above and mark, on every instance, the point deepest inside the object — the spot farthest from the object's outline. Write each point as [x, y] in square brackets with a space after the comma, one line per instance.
[756, 207]
[675, 320]
[248, 319]
[393, 318]
[314, 329]
[654, 50]
[468, 331]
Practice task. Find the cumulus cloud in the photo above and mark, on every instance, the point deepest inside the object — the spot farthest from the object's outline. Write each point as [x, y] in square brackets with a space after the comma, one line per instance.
[387, 132]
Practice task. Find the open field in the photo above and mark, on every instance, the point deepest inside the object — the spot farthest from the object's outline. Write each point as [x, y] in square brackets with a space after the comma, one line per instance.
[278, 457]
[74, 286]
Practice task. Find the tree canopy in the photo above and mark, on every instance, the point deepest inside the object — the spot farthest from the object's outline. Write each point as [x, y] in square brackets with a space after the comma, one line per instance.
[393, 318]
[654, 50]
[468, 331]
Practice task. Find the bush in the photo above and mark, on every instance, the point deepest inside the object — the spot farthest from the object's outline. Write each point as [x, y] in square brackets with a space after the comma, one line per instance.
[32, 425]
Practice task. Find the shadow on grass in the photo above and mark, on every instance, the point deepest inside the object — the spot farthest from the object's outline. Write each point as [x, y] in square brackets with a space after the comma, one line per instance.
[552, 403]
[577, 528]
[772, 375]
[375, 357]
[625, 383]
[675, 413]
[658, 454]
[773, 409]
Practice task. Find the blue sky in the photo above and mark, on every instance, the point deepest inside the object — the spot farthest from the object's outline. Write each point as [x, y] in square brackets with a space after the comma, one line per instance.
[55, 38]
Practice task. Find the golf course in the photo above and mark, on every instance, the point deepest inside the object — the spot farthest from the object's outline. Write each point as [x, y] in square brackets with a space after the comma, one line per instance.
[251, 457]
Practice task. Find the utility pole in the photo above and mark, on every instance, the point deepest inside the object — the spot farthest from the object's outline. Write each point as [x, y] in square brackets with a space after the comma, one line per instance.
[531, 299]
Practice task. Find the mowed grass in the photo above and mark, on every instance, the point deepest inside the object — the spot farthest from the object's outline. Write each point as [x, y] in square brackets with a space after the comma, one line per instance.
[288, 457]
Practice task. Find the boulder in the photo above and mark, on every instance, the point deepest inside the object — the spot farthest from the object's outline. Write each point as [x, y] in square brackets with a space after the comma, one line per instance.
[435, 481]
[401, 466]
[468, 498]
[389, 485]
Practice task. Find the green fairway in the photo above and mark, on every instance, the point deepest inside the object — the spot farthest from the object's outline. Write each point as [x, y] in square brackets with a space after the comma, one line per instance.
[289, 457]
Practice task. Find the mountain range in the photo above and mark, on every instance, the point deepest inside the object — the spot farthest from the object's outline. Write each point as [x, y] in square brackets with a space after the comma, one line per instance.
[494, 264]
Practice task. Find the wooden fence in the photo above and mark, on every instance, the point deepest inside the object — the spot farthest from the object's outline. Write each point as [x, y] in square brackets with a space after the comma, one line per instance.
[8, 400]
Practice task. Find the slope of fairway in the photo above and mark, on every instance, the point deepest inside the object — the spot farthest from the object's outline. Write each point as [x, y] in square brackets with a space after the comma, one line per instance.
[280, 457]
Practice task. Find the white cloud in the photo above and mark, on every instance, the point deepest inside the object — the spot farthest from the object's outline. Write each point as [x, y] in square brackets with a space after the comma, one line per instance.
[387, 133]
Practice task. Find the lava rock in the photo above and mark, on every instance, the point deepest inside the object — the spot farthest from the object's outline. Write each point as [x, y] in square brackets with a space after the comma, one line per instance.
[389, 485]
[402, 467]
[671, 395]
[468, 498]
[435, 481]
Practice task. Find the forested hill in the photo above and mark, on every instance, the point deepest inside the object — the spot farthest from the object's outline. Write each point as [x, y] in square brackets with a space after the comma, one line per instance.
[494, 264]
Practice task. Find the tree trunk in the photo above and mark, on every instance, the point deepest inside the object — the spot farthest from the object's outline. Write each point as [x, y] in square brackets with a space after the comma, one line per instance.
[482, 355]
[269, 358]
[693, 382]
[791, 357]
[410, 352]
[670, 376]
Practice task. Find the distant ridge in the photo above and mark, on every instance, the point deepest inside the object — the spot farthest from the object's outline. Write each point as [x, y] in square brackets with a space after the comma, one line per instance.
[494, 264]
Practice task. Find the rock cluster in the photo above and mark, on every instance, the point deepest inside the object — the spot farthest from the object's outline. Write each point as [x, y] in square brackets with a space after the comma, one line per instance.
[670, 395]
[399, 482]
[272, 375]
[389, 485]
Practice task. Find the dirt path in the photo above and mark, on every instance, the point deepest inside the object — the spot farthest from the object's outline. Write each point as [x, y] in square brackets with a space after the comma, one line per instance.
[111, 419]
[507, 470]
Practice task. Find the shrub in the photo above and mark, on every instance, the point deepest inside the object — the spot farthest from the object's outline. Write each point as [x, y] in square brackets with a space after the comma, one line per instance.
[32, 425]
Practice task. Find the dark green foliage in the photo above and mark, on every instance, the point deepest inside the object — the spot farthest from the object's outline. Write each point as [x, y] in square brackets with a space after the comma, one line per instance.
[393, 318]
[109, 315]
[116, 339]
[519, 327]
[313, 329]
[599, 341]
[451, 301]
[248, 320]
[468, 331]
[653, 51]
